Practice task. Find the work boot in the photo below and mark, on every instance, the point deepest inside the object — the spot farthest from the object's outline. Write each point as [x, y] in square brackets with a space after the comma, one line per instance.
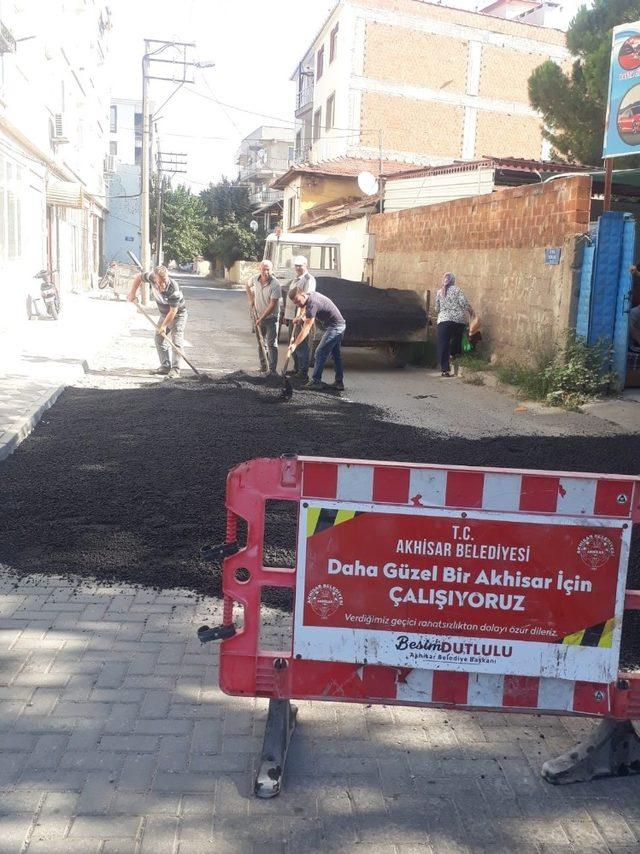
[313, 385]
[174, 374]
[292, 373]
[338, 385]
[163, 370]
[300, 375]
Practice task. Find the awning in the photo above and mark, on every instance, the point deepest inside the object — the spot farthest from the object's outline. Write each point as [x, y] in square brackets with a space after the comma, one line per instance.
[625, 182]
[67, 194]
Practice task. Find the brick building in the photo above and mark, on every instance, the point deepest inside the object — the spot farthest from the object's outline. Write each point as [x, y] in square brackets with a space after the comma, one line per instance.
[421, 82]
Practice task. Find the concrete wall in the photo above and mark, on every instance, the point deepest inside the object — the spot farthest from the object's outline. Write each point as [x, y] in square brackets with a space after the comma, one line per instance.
[496, 246]
[240, 272]
[401, 193]
[354, 239]
[122, 230]
[312, 190]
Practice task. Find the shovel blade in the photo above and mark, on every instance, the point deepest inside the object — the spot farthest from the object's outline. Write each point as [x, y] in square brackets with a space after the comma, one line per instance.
[287, 389]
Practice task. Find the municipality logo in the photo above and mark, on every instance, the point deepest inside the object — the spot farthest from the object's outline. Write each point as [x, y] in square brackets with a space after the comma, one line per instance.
[595, 550]
[324, 599]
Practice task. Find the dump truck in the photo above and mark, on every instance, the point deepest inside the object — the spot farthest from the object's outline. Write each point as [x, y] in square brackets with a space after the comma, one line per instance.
[387, 319]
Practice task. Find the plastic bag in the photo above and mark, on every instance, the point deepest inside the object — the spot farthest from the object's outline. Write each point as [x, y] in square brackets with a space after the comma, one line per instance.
[467, 346]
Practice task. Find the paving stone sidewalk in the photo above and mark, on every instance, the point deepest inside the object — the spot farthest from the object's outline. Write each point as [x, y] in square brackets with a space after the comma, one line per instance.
[115, 738]
[38, 359]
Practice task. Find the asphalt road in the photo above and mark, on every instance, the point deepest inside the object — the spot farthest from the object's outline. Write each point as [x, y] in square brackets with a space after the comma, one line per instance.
[220, 333]
[114, 734]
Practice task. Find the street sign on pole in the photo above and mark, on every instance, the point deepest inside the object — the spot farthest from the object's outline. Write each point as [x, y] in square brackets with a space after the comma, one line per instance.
[622, 128]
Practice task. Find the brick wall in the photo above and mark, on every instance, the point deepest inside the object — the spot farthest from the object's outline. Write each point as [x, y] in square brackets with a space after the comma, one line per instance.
[495, 245]
[415, 126]
[397, 56]
[502, 134]
[415, 58]
[420, 9]
[505, 73]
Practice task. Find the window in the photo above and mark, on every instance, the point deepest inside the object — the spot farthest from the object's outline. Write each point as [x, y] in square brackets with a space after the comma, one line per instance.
[317, 124]
[138, 157]
[320, 63]
[298, 152]
[333, 44]
[329, 118]
[113, 147]
[291, 211]
[319, 257]
[11, 200]
[114, 119]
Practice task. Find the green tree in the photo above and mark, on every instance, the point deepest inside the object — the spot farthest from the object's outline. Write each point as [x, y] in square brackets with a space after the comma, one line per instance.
[184, 225]
[227, 199]
[574, 105]
[233, 241]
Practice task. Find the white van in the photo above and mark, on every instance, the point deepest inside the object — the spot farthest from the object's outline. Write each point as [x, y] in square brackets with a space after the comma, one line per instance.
[322, 253]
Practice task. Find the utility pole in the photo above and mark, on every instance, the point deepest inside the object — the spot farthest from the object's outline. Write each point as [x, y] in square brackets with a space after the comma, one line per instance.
[144, 177]
[158, 258]
[173, 163]
[180, 63]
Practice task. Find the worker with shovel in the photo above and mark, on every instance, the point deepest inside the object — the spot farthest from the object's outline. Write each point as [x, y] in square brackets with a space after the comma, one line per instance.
[303, 281]
[173, 317]
[264, 294]
[318, 307]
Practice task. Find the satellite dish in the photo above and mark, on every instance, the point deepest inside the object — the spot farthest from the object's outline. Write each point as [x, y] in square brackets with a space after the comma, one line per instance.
[368, 183]
[263, 156]
[253, 225]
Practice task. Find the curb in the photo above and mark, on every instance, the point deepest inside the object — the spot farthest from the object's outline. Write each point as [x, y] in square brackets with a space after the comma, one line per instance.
[18, 435]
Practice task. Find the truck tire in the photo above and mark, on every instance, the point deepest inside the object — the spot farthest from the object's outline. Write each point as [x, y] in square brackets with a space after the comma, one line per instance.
[398, 355]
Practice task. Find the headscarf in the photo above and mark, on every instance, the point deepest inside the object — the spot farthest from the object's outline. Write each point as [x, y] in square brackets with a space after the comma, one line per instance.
[447, 280]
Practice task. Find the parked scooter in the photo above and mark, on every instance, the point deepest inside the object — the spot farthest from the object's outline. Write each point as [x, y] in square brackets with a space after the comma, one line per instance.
[44, 301]
[109, 278]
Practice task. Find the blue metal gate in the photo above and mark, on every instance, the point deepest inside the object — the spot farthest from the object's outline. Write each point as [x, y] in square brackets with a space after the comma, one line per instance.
[605, 284]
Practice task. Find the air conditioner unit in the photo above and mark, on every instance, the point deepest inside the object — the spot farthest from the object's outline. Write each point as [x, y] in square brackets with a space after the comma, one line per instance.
[59, 124]
[110, 164]
[7, 41]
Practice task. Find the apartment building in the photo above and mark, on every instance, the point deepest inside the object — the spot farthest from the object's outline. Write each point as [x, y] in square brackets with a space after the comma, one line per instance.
[53, 141]
[125, 130]
[122, 230]
[263, 156]
[415, 81]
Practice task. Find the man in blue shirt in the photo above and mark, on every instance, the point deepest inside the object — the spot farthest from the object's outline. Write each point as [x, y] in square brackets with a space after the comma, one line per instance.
[317, 307]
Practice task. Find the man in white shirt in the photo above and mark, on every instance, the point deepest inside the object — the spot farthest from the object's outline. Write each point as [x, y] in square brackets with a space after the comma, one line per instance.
[305, 282]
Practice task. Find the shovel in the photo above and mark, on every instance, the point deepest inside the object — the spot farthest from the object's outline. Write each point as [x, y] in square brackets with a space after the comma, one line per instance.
[287, 388]
[180, 353]
[199, 374]
[260, 337]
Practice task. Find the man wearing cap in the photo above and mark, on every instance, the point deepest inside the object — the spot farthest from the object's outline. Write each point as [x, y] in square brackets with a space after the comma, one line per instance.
[173, 317]
[264, 294]
[318, 307]
[306, 283]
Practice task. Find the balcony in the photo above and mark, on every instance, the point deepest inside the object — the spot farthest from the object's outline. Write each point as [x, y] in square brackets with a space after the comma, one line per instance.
[264, 167]
[264, 197]
[302, 154]
[304, 98]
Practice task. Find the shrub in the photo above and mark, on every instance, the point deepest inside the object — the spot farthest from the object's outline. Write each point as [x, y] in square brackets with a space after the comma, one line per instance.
[566, 375]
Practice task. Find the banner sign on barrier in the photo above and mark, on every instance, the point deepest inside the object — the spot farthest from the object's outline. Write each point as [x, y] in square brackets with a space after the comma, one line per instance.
[533, 595]
[434, 586]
